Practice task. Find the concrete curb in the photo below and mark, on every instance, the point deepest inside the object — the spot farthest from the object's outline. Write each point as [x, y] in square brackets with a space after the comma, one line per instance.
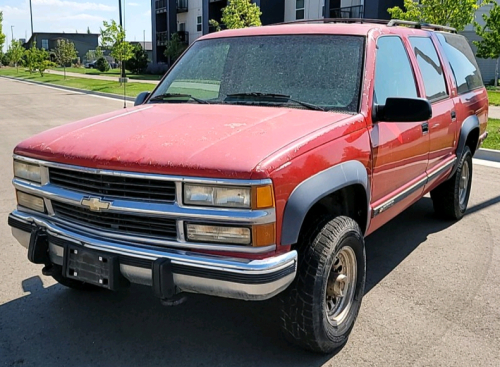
[83, 91]
[488, 155]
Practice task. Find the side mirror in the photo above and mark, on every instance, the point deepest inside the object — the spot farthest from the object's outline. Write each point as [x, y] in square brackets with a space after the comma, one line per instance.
[403, 110]
[141, 98]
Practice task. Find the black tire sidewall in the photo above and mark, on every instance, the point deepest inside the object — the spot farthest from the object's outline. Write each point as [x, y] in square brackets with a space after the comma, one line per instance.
[466, 156]
[339, 334]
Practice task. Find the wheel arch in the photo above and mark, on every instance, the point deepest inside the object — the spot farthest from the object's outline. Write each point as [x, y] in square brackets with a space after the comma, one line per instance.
[343, 189]
[468, 137]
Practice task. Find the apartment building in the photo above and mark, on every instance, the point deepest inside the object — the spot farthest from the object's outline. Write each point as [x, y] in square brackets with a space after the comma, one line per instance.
[190, 18]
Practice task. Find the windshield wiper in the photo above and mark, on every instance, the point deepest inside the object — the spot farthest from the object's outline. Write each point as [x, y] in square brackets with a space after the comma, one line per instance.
[167, 96]
[257, 95]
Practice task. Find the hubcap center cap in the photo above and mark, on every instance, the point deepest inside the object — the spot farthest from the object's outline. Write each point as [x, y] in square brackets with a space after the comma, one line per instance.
[337, 285]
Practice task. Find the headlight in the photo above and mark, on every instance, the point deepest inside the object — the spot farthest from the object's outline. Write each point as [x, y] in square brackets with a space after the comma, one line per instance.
[256, 197]
[229, 197]
[27, 171]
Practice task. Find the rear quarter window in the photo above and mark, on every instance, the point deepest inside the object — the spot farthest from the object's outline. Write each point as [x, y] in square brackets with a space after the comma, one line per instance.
[462, 61]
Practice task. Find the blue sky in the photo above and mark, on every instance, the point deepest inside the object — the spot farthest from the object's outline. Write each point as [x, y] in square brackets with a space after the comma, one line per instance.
[74, 15]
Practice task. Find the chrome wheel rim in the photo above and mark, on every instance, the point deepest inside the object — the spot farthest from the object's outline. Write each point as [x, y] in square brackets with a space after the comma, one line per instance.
[341, 286]
[463, 184]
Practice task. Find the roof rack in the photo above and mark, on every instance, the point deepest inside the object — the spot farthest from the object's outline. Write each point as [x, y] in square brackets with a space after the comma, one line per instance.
[418, 25]
[389, 23]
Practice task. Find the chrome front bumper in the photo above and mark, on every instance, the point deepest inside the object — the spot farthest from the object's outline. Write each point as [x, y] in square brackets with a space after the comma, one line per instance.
[192, 272]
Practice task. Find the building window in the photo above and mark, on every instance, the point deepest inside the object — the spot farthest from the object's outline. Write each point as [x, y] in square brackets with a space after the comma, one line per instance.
[198, 24]
[45, 44]
[299, 9]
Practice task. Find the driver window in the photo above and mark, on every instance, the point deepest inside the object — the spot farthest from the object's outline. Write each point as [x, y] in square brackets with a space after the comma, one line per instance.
[393, 72]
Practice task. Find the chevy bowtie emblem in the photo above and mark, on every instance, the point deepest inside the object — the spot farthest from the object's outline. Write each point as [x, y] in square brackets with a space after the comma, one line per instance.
[95, 204]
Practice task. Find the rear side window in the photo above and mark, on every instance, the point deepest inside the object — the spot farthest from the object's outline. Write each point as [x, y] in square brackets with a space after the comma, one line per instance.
[430, 67]
[393, 73]
[462, 61]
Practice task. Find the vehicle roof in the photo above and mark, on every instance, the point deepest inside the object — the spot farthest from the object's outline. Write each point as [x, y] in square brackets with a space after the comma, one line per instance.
[316, 27]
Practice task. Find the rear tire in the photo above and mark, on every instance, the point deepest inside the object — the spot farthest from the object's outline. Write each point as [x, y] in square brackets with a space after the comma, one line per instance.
[450, 199]
[321, 305]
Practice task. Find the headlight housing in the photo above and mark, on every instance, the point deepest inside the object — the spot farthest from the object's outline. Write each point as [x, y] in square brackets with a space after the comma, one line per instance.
[27, 171]
[255, 197]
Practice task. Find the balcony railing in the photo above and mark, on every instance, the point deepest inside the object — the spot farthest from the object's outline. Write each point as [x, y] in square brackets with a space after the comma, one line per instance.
[348, 12]
[161, 6]
[182, 6]
[162, 38]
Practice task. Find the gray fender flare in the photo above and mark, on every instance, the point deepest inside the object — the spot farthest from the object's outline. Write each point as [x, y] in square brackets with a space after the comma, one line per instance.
[469, 124]
[310, 191]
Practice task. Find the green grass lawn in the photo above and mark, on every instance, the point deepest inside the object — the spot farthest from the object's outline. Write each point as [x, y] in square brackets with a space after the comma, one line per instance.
[493, 140]
[111, 72]
[494, 97]
[103, 86]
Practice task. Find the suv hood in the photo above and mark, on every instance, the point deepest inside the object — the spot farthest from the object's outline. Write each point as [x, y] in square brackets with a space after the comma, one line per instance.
[225, 141]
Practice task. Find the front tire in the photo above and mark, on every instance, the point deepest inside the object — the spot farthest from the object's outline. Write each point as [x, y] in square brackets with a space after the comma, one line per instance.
[450, 199]
[320, 307]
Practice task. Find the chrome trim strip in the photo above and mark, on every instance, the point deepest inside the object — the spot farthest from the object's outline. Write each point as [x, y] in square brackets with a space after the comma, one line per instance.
[229, 264]
[174, 210]
[404, 194]
[150, 176]
[144, 242]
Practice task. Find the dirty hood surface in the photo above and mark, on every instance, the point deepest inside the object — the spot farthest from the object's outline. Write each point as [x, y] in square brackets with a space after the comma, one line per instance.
[225, 141]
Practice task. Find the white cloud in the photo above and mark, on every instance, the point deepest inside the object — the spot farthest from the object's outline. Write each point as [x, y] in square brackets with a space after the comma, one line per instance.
[133, 4]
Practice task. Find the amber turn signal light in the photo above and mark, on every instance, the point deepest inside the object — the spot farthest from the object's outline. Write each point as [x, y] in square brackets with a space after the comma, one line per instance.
[262, 197]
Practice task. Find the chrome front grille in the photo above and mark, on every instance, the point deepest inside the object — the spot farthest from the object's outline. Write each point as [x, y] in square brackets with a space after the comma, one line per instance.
[132, 188]
[125, 224]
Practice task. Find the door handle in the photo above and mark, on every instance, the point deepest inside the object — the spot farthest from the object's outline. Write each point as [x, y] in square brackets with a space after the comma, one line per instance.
[453, 115]
[425, 128]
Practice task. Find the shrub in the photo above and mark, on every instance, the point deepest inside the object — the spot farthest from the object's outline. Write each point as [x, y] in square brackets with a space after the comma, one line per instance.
[102, 65]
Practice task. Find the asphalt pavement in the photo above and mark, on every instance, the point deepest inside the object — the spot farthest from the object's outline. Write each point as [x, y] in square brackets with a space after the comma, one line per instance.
[432, 294]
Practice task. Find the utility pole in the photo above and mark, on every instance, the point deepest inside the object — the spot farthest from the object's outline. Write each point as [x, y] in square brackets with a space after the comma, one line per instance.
[122, 78]
[144, 40]
[31, 14]
[12, 31]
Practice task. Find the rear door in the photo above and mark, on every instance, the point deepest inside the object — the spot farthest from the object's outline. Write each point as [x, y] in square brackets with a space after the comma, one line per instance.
[442, 125]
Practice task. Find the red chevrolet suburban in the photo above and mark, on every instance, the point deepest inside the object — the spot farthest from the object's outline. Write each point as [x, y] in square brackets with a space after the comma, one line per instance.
[257, 166]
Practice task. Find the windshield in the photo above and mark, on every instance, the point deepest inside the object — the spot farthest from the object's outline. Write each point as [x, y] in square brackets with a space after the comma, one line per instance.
[320, 70]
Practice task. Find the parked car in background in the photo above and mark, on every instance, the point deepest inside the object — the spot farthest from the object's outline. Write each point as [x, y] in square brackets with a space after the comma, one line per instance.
[259, 178]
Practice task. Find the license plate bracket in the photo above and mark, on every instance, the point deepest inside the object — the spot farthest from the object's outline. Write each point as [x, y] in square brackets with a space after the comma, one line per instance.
[91, 266]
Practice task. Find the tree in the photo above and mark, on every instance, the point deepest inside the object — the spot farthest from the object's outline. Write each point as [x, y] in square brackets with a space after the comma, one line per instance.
[16, 52]
[2, 35]
[92, 55]
[174, 47]
[65, 52]
[102, 64]
[139, 61]
[489, 46]
[113, 39]
[453, 13]
[88, 30]
[37, 59]
[239, 14]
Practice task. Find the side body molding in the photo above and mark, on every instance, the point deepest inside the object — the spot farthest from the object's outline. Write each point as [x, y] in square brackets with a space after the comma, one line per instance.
[310, 191]
[469, 124]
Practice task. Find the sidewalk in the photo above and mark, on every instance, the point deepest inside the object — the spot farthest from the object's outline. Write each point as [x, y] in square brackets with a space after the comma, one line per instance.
[494, 112]
[99, 77]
